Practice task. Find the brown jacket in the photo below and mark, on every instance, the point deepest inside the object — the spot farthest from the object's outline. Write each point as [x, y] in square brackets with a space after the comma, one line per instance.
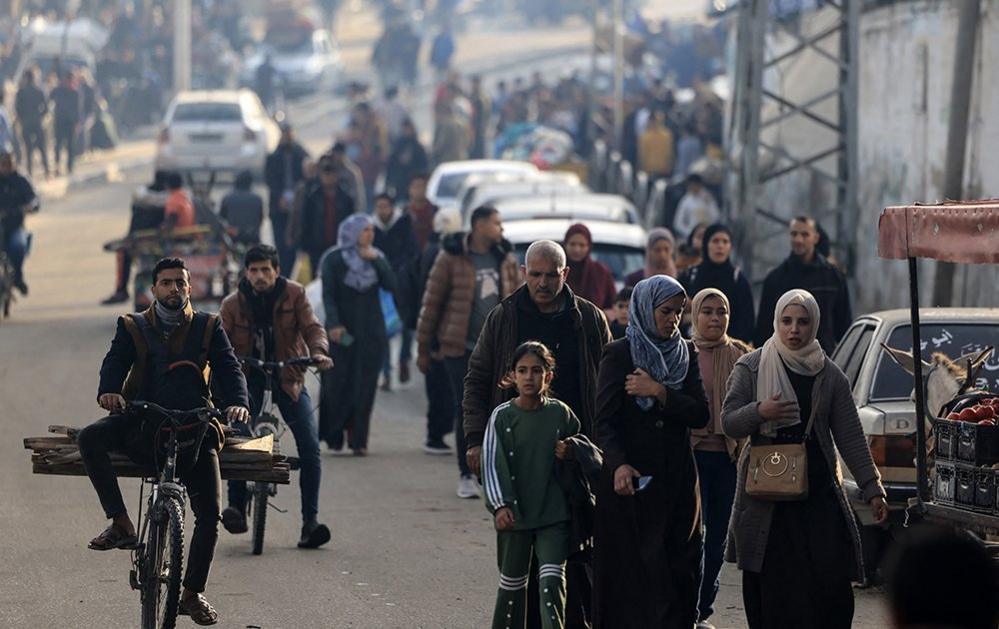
[450, 292]
[297, 331]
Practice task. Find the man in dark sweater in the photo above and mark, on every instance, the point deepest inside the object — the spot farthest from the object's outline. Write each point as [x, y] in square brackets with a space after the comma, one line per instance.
[68, 106]
[394, 236]
[31, 107]
[805, 268]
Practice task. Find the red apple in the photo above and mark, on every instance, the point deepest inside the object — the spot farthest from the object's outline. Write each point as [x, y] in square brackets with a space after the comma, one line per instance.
[968, 415]
[987, 422]
[954, 416]
[987, 412]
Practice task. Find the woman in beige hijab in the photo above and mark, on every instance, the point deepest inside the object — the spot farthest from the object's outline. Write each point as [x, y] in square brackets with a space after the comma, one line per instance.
[798, 557]
[714, 453]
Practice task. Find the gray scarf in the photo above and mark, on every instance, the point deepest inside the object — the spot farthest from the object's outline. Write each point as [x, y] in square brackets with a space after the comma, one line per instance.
[167, 317]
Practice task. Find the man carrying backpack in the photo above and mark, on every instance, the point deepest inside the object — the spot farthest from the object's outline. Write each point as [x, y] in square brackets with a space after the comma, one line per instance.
[160, 356]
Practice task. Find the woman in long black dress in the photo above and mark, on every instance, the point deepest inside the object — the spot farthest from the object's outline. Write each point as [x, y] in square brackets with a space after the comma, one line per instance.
[352, 273]
[647, 554]
[798, 557]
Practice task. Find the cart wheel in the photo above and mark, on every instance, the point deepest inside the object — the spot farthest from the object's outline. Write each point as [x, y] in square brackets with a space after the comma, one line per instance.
[259, 508]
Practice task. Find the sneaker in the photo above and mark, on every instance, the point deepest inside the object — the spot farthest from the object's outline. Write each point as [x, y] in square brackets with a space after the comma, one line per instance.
[21, 286]
[403, 373]
[118, 297]
[234, 520]
[704, 624]
[387, 384]
[314, 535]
[437, 447]
[467, 487]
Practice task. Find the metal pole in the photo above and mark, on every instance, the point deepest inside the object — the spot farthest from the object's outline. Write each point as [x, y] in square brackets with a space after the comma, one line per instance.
[618, 38]
[957, 130]
[917, 372]
[591, 100]
[181, 45]
[847, 218]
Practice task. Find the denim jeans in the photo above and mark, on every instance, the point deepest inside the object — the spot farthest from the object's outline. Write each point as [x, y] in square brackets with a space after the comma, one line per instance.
[203, 484]
[301, 420]
[17, 250]
[717, 477]
[456, 370]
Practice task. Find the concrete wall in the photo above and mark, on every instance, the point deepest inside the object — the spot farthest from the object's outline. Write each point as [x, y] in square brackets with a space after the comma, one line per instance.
[906, 64]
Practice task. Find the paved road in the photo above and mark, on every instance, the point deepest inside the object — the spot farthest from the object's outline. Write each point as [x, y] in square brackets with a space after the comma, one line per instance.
[405, 551]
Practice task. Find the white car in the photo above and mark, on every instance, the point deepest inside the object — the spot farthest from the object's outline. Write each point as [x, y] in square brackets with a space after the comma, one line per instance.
[620, 246]
[486, 189]
[227, 131]
[571, 204]
[303, 68]
[447, 179]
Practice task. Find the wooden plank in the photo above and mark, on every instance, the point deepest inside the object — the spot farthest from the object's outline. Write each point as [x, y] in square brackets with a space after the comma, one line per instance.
[69, 431]
[261, 444]
[278, 476]
[42, 443]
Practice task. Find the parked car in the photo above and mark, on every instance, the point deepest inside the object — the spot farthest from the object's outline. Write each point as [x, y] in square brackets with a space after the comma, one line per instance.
[448, 178]
[570, 205]
[216, 130]
[620, 246]
[882, 391]
[304, 67]
[486, 189]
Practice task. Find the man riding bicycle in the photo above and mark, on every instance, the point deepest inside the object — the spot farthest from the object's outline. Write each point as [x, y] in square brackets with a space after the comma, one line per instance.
[16, 199]
[269, 318]
[162, 355]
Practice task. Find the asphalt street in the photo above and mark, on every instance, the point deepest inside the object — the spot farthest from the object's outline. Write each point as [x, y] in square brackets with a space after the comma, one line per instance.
[405, 551]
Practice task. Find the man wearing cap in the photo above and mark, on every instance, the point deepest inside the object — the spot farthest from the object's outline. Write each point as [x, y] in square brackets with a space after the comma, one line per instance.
[283, 173]
[324, 206]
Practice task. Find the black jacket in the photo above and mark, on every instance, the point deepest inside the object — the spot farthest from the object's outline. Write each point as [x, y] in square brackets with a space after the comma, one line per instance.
[577, 476]
[228, 381]
[398, 243]
[30, 105]
[274, 170]
[407, 159]
[313, 210]
[822, 280]
[15, 193]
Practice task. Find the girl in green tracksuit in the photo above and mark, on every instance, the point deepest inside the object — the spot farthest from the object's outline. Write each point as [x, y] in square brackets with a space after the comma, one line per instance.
[523, 439]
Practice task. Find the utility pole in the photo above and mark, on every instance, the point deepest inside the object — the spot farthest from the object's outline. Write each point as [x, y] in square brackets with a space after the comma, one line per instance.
[617, 23]
[181, 45]
[957, 130]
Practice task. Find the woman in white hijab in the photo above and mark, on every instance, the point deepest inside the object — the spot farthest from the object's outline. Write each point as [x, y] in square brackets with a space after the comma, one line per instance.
[795, 556]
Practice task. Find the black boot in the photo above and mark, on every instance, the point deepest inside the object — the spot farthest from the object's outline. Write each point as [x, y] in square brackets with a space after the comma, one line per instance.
[314, 534]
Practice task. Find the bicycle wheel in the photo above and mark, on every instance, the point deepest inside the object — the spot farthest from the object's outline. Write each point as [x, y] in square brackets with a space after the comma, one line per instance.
[163, 566]
[259, 508]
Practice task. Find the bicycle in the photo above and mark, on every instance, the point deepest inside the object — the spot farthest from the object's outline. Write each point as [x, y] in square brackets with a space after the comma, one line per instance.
[6, 285]
[158, 557]
[264, 423]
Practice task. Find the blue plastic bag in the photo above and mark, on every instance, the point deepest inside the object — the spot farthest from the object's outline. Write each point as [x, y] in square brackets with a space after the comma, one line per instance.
[393, 323]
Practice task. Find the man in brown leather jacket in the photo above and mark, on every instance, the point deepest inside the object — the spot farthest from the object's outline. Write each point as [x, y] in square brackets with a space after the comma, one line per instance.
[471, 274]
[270, 318]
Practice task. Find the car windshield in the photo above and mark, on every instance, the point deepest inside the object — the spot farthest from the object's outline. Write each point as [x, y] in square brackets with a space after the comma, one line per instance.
[450, 185]
[207, 112]
[619, 259]
[891, 382]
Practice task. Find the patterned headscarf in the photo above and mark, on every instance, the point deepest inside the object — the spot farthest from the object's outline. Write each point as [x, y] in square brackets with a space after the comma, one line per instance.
[666, 360]
[361, 274]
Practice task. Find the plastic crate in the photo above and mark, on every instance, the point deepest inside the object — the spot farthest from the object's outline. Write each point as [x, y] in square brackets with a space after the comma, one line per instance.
[985, 489]
[964, 487]
[946, 432]
[977, 444]
[944, 480]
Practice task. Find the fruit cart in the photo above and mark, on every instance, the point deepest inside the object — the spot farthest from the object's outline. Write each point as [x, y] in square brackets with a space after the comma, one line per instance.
[965, 479]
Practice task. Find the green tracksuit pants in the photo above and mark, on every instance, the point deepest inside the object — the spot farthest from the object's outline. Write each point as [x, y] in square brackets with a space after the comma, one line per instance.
[551, 545]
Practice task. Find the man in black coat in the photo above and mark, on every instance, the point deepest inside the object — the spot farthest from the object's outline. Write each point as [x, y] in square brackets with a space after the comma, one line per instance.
[31, 106]
[806, 269]
[394, 236]
[324, 206]
[282, 173]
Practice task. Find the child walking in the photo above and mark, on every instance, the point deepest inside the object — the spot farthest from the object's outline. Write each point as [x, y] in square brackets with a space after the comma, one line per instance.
[524, 438]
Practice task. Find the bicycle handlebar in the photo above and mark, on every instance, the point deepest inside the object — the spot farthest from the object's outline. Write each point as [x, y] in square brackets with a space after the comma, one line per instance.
[202, 414]
[301, 361]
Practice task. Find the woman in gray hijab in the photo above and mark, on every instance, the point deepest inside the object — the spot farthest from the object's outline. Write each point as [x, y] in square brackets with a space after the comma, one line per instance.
[352, 274]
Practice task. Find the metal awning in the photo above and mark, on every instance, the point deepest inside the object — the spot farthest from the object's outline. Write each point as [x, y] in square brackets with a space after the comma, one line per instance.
[965, 232]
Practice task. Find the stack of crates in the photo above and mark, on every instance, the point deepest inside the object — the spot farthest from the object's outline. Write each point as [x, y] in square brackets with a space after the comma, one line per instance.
[967, 466]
